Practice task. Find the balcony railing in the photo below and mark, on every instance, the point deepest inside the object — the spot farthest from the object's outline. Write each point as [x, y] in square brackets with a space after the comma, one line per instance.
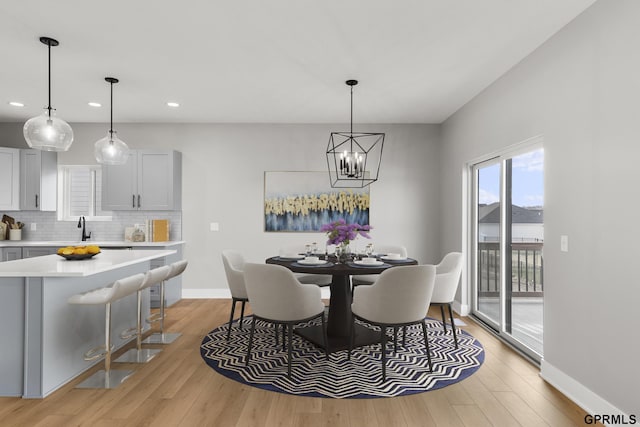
[527, 268]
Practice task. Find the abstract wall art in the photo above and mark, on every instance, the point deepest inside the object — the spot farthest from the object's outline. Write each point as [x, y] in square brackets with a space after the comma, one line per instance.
[304, 201]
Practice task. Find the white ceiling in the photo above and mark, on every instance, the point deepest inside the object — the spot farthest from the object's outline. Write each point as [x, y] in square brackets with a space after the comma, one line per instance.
[277, 61]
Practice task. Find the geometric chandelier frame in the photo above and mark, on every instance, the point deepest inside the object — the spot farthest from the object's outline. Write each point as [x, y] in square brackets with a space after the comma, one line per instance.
[353, 158]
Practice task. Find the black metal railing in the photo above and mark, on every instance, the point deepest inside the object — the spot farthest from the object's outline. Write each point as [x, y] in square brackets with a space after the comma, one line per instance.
[527, 268]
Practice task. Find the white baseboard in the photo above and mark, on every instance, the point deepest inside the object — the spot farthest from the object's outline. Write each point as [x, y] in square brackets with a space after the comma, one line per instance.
[461, 309]
[206, 293]
[578, 393]
[226, 294]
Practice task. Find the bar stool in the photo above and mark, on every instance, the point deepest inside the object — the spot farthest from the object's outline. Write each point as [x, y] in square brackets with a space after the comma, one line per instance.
[177, 268]
[106, 378]
[139, 354]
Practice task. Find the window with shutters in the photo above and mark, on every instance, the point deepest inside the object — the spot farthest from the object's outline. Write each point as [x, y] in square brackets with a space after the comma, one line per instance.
[80, 193]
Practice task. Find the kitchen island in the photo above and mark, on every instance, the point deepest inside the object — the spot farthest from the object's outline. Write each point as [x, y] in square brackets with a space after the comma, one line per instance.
[11, 250]
[42, 337]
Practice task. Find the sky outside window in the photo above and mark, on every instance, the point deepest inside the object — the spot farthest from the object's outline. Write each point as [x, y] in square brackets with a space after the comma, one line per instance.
[527, 181]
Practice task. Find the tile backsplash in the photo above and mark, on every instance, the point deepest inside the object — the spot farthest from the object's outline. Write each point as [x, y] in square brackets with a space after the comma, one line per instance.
[49, 228]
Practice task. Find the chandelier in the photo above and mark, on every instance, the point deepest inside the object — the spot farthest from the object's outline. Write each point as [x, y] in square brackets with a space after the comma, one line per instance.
[354, 158]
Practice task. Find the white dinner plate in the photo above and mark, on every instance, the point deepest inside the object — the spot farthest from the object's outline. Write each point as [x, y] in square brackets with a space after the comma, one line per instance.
[370, 264]
[392, 259]
[291, 257]
[318, 262]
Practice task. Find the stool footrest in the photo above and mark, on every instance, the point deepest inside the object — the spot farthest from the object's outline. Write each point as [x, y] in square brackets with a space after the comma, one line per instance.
[129, 333]
[95, 353]
[155, 317]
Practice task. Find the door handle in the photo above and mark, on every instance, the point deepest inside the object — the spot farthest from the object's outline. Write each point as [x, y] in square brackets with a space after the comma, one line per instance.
[133, 200]
[36, 200]
[138, 200]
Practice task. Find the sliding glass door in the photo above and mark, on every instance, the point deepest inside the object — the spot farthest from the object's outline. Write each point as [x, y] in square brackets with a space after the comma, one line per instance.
[507, 246]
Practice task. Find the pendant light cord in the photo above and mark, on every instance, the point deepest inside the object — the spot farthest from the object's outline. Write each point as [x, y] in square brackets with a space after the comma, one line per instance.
[111, 117]
[49, 104]
[351, 111]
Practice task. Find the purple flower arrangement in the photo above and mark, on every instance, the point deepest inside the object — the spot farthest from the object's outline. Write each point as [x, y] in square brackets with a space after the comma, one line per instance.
[341, 233]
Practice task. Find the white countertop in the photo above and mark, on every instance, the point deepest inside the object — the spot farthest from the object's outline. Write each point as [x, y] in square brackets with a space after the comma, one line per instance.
[56, 266]
[105, 244]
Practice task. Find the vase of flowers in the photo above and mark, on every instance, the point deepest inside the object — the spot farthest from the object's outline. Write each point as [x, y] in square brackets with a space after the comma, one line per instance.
[341, 234]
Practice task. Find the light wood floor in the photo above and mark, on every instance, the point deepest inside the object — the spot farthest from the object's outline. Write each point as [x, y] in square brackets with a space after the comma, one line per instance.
[178, 389]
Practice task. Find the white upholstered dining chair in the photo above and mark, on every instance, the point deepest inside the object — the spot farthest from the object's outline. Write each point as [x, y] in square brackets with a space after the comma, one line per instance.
[277, 297]
[233, 267]
[368, 279]
[309, 279]
[399, 298]
[448, 274]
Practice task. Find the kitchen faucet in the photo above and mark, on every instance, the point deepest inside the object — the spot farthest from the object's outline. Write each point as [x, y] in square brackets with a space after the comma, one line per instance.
[82, 224]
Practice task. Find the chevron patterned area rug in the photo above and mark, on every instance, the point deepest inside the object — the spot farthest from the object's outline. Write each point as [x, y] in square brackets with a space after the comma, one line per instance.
[360, 377]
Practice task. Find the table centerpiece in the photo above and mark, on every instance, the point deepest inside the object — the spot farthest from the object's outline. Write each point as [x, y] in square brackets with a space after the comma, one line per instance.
[341, 234]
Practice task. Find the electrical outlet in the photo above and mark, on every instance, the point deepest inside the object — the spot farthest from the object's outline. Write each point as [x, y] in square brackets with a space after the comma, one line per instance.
[214, 226]
[33, 226]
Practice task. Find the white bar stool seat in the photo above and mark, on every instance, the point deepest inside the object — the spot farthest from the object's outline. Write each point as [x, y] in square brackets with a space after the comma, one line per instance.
[177, 268]
[106, 378]
[139, 354]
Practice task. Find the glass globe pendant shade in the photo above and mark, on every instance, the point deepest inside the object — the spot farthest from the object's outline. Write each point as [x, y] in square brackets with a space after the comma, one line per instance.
[47, 132]
[111, 150]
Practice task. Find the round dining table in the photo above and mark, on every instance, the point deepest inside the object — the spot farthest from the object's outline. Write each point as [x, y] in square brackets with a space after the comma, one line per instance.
[339, 316]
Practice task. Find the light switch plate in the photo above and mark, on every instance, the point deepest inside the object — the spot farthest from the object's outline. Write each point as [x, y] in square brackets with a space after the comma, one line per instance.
[564, 243]
[214, 226]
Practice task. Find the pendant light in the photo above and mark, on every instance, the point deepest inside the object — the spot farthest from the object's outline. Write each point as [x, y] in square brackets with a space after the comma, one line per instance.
[48, 132]
[111, 150]
[354, 158]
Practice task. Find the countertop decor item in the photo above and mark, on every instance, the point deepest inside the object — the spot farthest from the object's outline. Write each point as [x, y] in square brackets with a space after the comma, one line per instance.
[111, 150]
[354, 158]
[73, 253]
[48, 132]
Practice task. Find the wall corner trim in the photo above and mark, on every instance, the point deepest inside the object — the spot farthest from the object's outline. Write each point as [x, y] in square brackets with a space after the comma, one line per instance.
[577, 392]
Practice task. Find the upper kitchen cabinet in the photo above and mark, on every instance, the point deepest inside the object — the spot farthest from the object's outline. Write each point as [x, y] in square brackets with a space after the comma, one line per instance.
[9, 179]
[38, 180]
[151, 180]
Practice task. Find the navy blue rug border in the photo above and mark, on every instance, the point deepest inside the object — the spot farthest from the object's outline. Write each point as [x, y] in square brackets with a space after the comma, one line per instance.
[236, 376]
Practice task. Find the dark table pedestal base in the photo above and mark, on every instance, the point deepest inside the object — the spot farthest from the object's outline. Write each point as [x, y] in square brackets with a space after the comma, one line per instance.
[364, 336]
[339, 321]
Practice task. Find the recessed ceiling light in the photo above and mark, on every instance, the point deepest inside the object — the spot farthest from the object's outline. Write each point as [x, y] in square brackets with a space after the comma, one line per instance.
[16, 104]
[173, 104]
[95, 104]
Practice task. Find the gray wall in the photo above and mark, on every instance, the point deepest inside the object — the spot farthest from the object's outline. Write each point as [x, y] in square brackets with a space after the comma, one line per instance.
[580, 91]
[223, 181]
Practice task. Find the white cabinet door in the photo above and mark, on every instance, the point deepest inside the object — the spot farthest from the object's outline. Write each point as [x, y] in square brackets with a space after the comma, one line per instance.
[38, 180]
[10, 254]
[119, 185]
[150, 180]
[28, 252]
[9, 179]
[156, 180]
